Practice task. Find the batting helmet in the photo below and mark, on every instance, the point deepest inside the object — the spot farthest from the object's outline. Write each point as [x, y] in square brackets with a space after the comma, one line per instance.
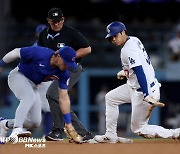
[114, 28]
[40, 27]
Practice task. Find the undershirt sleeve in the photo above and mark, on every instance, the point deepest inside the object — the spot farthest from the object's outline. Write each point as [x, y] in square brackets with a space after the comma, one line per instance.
[141, 79]
[12, 55]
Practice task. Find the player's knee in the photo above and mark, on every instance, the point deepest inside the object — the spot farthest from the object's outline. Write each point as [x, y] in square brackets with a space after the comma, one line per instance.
[108, 96]
[139, 130]
[36, 123]
[143, 133]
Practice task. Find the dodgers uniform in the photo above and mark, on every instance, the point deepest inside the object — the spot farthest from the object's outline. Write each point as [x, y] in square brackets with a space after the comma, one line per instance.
[133, 55]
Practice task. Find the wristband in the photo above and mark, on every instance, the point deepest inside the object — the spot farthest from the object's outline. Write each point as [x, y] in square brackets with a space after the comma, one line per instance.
[67, 118]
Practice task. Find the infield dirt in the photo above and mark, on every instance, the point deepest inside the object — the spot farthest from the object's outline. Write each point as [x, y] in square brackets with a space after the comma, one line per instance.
[144, 146]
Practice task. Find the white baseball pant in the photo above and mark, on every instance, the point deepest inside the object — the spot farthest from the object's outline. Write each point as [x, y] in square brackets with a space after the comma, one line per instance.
[140, 109]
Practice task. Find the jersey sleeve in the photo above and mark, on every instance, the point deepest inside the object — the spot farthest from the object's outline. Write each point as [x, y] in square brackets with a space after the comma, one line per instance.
[63, 80]
[27, 53]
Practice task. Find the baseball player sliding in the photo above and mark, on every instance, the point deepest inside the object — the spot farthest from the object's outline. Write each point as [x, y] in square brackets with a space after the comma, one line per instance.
[38, 64]
[142, 89]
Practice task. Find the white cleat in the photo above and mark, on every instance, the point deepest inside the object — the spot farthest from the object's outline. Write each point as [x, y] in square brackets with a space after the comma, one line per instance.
[105, 139]
[18, 132]
[124, 140]
[3, 128]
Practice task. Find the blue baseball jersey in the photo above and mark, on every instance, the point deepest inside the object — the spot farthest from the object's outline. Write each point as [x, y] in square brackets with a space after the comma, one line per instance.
[35, 65]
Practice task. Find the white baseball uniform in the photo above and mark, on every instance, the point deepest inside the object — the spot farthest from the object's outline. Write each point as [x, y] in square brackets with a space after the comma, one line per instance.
[134, 54]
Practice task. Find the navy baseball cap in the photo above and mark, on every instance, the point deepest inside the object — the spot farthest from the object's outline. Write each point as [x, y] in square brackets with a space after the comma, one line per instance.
[55, 14]
[68, 54]
[40, 27]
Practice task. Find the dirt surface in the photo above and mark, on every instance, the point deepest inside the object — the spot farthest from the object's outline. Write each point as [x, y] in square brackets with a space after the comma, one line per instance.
[63, 147]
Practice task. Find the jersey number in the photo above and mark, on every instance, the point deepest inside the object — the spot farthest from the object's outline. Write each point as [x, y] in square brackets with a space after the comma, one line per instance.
[146, 56]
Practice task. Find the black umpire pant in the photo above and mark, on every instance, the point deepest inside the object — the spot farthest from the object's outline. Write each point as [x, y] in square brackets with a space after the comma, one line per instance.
[53, 99]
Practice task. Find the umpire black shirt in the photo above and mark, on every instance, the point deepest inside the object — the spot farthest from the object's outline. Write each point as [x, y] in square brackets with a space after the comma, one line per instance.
[67, 36]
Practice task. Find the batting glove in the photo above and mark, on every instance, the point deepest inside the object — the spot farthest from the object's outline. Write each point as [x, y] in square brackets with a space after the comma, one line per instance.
[121, 75]
[153, 102]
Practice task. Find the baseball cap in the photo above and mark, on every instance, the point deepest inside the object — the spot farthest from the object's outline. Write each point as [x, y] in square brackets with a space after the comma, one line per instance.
[55, 14]
[40, 27]
[68, 54]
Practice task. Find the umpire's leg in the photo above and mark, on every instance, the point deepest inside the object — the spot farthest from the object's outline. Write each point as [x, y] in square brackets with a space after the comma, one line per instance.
[53, 99]
[74, 77]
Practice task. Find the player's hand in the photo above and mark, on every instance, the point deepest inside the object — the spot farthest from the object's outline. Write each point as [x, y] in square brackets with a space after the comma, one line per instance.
[153, 102]
[121, 75]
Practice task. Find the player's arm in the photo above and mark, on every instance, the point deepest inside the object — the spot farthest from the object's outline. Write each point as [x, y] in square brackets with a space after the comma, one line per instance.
[138, 70]
[10, 56]
[65, 107]
[82, 45]
[64, 104]
[82, 52]
[64, 100]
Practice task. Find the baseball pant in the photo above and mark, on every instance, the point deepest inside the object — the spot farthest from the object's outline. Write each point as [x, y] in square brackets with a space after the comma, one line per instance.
[42, 89]
[28, 112]
[53, 99]
[140, 109]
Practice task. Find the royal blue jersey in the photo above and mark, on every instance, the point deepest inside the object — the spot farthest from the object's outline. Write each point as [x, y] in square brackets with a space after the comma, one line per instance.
[35, 65]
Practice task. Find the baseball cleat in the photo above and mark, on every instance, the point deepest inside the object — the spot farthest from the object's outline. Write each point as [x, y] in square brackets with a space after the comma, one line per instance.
[105, 139]
[54, 135]
[3, 128]
[87, 137]
[124, 140]
[20, 132]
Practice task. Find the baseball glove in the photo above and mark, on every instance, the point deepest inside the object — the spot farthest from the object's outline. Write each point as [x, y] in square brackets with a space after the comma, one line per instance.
[73, 135]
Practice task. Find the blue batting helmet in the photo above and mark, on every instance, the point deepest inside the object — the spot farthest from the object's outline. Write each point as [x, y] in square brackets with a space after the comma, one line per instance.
[114, 28]
[40, 27]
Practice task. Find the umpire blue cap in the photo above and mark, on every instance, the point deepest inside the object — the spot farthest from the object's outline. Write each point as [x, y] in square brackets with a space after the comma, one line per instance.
[114, 28]
[68, 54]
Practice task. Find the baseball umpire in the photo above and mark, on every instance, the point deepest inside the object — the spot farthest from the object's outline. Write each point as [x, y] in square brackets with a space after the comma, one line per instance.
[56, 36]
